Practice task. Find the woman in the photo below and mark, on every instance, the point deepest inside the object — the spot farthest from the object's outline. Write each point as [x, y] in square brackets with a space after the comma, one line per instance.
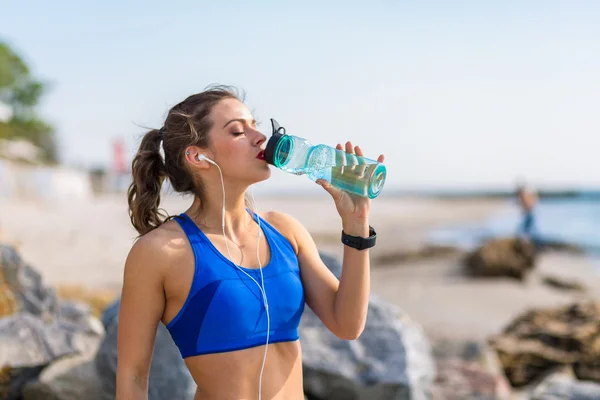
[228, 284]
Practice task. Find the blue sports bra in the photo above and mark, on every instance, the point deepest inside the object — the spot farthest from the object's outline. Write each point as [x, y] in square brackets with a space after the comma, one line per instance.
[224, 309]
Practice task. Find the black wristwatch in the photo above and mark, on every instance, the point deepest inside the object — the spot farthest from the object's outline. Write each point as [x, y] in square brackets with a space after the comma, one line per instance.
[358, 242]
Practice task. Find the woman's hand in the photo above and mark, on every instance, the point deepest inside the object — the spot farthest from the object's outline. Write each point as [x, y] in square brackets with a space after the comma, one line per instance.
[352, 208]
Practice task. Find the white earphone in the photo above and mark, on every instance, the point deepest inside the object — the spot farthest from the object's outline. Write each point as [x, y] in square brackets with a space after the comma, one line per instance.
[201, 157]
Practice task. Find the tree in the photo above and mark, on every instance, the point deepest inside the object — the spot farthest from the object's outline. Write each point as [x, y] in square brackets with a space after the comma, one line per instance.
[21, 93]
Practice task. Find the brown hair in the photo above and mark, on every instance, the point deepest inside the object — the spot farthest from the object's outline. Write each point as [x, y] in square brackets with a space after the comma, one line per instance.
[187, 124]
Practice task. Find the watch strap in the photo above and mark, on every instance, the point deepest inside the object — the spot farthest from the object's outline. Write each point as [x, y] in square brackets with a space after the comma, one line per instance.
[359, 242]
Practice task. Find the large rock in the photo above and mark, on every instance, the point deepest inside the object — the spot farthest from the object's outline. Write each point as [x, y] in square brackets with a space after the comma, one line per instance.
[70, 378]
[459, 379]
[21, 287]
[468, 370]
[539, 340]
[28, 345]
[512, 257]
[35, 327]
[169, 377]
[74, 376]
[390, 360]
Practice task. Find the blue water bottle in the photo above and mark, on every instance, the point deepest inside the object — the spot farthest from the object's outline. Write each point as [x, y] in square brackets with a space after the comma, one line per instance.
[348, 172]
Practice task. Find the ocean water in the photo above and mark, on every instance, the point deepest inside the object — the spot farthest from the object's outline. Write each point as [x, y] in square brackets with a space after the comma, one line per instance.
[574, 221]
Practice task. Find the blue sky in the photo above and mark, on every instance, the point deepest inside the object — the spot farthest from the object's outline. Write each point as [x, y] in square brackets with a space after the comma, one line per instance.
[465, 95]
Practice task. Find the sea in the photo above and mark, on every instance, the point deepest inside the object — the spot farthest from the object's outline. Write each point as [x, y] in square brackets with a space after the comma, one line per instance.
[571, 220]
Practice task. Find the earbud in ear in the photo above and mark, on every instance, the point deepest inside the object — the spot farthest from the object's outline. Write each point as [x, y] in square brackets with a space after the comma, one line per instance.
[201, 157]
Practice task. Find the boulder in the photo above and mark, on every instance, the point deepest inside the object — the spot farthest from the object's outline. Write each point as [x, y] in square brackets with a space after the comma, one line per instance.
[459, 379]
[169, 377]
[36, 328]
[70, 378]
[28, 345]
[541, 339]
[390, 360]
[511, 257]
[468, 369]
[21, 287]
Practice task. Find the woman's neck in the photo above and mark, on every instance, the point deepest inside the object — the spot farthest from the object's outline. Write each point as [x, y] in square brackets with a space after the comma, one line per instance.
[208, 214]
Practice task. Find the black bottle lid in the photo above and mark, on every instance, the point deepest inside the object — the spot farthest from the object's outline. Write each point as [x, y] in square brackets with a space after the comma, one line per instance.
[277, 134]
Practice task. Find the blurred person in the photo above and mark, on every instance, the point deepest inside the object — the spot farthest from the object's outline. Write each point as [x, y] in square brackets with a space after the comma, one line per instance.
[528, 199]
[230, 285]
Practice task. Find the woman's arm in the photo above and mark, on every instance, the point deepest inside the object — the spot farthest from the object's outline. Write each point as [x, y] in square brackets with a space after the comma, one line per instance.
[341, 305]
[142, 305]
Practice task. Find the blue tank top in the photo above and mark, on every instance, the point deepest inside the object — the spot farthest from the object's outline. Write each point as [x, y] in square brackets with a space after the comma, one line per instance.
[224, 309]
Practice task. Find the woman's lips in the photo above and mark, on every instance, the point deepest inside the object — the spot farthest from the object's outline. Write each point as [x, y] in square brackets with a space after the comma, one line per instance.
[261, 155]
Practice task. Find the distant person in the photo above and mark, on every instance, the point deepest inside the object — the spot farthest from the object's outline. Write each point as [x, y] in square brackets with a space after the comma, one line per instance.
[229, 283]
[528, 199]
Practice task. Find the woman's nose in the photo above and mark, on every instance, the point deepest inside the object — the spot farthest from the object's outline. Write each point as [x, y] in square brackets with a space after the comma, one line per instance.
[259, 138]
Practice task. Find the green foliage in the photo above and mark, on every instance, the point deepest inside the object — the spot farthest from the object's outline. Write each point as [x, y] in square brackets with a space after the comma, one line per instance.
[22, 92]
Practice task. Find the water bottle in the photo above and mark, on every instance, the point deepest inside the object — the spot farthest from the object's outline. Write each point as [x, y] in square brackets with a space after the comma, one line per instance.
[348, 172]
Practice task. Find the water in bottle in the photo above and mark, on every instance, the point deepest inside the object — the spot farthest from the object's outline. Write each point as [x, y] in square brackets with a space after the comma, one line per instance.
[354, 174]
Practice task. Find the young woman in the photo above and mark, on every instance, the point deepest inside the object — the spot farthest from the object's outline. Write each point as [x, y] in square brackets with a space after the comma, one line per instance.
[229, 285]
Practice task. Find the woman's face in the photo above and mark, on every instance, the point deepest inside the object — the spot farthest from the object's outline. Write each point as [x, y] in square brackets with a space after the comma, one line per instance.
[235, 143]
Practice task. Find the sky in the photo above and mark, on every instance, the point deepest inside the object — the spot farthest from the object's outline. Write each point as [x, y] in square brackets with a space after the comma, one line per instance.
[457, 95]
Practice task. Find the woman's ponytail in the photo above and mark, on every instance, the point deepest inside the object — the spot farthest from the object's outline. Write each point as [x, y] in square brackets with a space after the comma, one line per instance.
[148, 173]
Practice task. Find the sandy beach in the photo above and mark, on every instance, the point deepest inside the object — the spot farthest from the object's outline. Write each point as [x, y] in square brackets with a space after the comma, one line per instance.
[86, 243]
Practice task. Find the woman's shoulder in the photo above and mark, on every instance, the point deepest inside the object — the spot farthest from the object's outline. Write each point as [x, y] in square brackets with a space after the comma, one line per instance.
[160, 246]
[285, 224]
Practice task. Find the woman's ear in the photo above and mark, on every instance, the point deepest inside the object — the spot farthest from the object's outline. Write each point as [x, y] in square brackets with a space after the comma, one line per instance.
[193, 155]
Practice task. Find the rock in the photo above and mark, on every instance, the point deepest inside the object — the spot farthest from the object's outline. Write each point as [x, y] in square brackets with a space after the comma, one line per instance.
[77, 317]
[28, 345]
[467, 350]
[70, 378]
[539, 340]
[459, 379]
[468, 370]
[563, 387]
[13, 379]
[111, 313]
[22, 286]
[390, 360]
[563, 283]
[169, 377]
[96, 298]
[37, 328]
[512, 257]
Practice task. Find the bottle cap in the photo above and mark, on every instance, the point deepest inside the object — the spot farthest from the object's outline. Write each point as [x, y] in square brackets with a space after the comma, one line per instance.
[274, 151]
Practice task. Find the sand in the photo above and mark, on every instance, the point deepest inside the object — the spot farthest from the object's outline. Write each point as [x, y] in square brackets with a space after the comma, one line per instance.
[448, 304]
[86, 243]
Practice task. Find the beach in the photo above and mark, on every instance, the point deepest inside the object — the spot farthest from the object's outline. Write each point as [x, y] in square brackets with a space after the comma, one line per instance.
[85, 243]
